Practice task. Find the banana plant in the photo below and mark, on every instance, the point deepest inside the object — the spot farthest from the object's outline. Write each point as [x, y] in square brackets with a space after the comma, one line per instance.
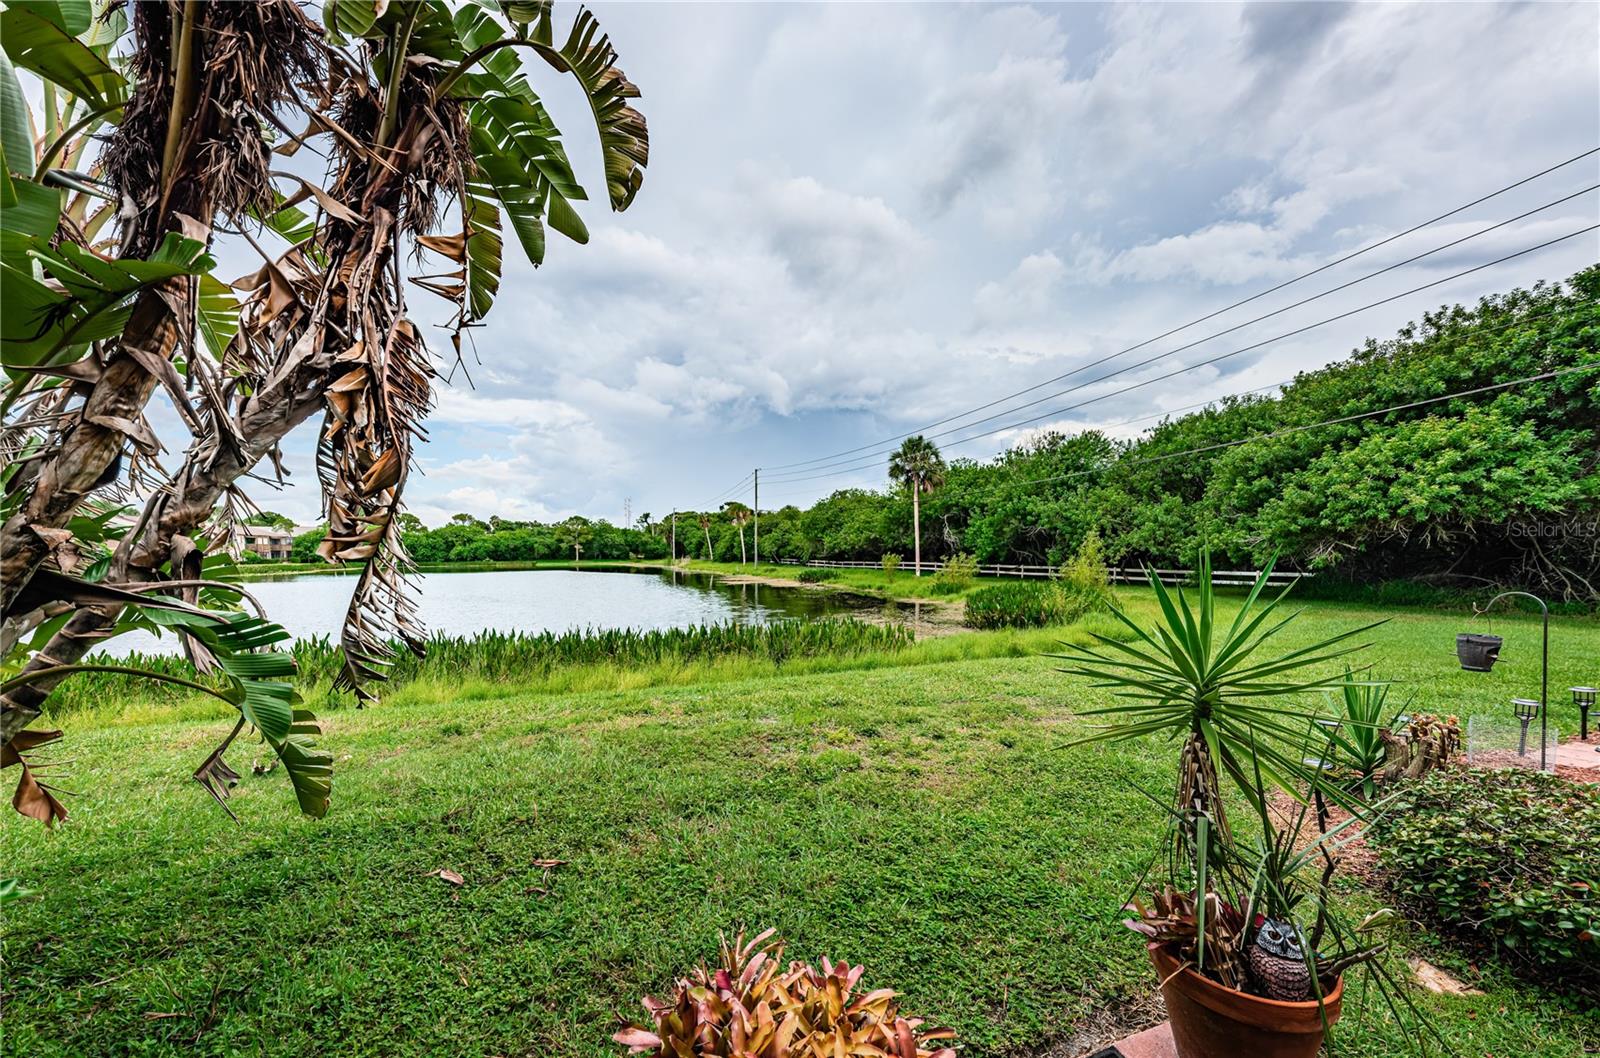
[163, 128]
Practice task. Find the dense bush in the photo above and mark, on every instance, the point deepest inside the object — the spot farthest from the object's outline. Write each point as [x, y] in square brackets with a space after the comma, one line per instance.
[1029, 604]
[815, 576]
[891, 562]
[1508, 857]
[956, 575]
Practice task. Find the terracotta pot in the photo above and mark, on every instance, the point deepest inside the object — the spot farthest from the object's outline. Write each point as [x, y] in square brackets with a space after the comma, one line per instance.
[1209, 1021]
[1477, 652]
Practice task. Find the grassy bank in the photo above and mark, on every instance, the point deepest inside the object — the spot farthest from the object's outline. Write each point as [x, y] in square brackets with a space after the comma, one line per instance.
[897, 585]
[919, 817]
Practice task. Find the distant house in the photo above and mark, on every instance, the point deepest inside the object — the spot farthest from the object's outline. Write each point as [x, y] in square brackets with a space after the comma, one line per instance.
[263, 540]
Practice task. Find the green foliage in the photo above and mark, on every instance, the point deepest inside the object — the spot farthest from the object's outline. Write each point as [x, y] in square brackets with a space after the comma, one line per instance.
[815, 576]
[1364, 712]
[1503, 481]
[958, 573]
[270, 518]
[1503, 857]
[891, 563]
[1030, 604]
[304, 547]
[1085, 574]
[509, 657]
[1224, 688]
[467, 539]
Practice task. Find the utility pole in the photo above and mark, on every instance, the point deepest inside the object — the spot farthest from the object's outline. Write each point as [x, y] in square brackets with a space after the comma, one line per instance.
[758, 516]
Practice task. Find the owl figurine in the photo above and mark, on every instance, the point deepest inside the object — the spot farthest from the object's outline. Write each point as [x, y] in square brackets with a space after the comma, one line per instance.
[1278, 964]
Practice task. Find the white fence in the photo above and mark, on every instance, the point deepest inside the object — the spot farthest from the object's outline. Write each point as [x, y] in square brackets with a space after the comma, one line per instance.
[1219, 577]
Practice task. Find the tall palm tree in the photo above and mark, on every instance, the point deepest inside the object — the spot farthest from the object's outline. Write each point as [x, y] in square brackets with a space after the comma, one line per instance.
[705, 527]
[739, 514]
[918, 466]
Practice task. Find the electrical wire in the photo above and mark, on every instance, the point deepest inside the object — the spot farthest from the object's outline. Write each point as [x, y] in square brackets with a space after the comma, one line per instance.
[871, 461]
[1202, 319]
[1218, 334]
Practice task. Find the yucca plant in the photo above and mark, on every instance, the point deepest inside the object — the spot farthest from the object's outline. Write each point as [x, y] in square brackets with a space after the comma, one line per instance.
[750, 1006]
[1364, 717]
[1220, 688]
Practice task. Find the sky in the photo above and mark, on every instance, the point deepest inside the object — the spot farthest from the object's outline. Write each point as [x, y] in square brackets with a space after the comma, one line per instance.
[862, 219]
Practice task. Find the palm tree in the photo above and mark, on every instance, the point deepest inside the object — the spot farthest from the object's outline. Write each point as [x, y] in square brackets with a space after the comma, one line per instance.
[739, 514]
[705, 527]
[645, 525]
[919, 466]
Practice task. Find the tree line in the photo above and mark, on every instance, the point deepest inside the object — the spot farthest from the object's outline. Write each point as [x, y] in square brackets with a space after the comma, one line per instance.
[1501, 487]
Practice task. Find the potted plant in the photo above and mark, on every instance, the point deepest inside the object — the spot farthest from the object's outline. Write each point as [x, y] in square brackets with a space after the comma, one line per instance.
[1247, 944]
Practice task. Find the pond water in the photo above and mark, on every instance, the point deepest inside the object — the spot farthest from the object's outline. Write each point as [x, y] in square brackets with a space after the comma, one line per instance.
[537, 600]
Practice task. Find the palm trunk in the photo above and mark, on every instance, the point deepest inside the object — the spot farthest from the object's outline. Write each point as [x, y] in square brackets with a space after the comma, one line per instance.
[179, 510]
[916, 525]
[741, 546]
[710, 554]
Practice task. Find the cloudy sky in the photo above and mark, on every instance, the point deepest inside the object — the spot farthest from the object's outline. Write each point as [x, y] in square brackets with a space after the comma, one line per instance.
[859, 220]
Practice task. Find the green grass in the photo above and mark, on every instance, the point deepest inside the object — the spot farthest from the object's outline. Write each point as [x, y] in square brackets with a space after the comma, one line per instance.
[901, 584]
[917, 817]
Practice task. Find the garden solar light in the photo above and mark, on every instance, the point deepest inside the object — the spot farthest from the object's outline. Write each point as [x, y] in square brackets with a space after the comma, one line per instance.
[1583, 698]
[1478, 653]
[1526, 709]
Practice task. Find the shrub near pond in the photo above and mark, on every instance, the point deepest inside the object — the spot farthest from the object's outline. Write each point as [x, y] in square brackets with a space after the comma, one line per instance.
[815, 576]
[1030, 604]
[1511, 857]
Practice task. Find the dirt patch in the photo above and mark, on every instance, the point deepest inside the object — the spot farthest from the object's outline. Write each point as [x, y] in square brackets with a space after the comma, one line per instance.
[1438, 980]
[1350, 852]
[1104, 1025]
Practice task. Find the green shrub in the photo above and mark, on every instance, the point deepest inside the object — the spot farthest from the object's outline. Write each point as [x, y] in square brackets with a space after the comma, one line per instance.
[1509, 857]
[1085, 574]
[891, 563]
[815, 576]
[956, 575]
[1030, 604]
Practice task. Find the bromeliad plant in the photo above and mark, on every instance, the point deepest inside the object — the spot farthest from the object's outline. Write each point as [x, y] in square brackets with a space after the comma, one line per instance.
[751, 1006]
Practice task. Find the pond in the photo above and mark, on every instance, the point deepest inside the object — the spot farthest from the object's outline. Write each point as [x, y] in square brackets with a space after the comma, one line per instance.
[537, 600]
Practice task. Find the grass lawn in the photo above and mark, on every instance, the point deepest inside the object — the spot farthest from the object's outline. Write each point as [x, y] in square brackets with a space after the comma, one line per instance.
[919, 818]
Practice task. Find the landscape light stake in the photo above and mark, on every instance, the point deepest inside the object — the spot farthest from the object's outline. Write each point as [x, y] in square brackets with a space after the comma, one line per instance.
[1544, 674]
[1583, 698]
[1525, 708]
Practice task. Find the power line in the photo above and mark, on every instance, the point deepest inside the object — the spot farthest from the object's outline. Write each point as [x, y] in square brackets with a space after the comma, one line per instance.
[727, 492]
[1209, 316]
[1236, 327]
[1202, 363]
[1284, 431]
[1544, 377]
[1199, 341]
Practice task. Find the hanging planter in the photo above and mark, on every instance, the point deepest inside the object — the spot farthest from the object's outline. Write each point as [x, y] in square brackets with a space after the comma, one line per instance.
[1477, 652]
